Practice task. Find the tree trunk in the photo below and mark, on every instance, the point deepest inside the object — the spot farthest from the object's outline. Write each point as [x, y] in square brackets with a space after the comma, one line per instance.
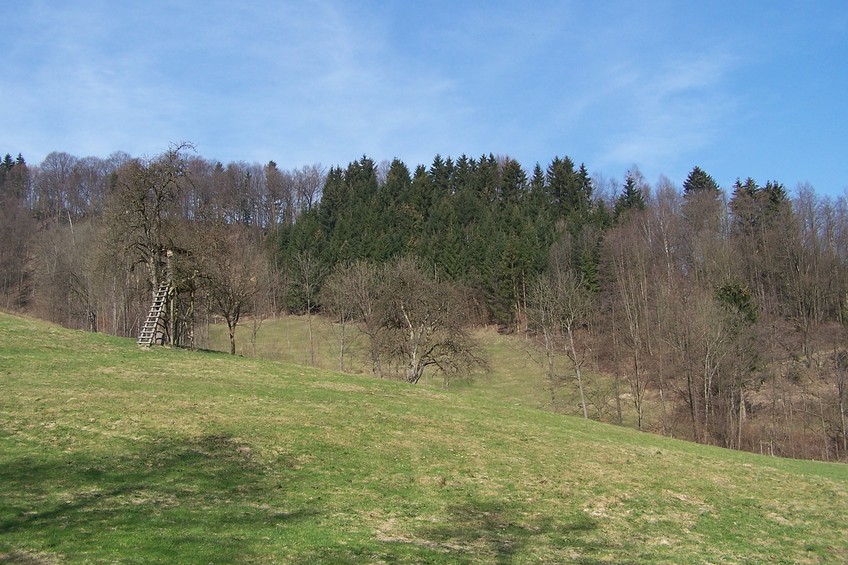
[551, 371]
[842, 417]
[663, 411]
[741, 417]
[637, 388]
[232, 327]
[341, 346]
[577, 372]
[311, 339]
[692, 406]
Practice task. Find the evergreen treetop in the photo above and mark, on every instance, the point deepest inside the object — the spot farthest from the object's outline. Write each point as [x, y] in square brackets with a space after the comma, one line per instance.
[699, 182]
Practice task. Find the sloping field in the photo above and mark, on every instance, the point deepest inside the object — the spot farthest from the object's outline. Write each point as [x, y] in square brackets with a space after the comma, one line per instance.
[109, 453]
[516, 372]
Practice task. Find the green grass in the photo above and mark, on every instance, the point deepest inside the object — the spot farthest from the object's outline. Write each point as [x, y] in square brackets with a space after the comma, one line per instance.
[515, 372]
[110, 453]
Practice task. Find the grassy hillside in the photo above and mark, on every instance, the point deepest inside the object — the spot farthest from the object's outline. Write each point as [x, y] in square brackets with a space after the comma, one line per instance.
[109, 453]
[515, 373]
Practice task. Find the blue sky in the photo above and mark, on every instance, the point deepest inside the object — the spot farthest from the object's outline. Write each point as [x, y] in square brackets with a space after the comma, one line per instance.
[739, 88]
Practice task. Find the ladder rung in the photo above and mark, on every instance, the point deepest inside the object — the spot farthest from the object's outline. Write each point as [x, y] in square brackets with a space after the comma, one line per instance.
[149, 330]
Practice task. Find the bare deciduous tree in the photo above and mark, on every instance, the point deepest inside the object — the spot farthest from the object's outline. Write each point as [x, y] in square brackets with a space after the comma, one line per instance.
[338, 301]
[560, 305]
[144, 205]
[306, 282]
[424, 323]
[630, 264]
[234, 272]
[412, 321]
[308, 181]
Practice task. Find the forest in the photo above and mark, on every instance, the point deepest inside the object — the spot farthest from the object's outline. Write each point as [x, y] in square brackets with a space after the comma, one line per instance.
[717, 314]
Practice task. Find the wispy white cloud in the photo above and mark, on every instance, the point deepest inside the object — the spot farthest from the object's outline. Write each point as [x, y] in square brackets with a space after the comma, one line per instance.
[612, 84]
[660, 113]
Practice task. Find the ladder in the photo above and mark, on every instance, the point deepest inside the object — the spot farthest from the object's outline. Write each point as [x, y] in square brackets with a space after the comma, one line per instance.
[150, 329]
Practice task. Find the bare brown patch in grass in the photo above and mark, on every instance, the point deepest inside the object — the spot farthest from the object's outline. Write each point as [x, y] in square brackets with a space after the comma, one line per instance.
[605, 506]
[779, 519]
[340, 386]
[386, 533]
[702, 506]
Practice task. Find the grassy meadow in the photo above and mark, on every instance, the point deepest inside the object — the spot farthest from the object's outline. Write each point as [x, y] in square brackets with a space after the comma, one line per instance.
[515, 373]
[114, 454]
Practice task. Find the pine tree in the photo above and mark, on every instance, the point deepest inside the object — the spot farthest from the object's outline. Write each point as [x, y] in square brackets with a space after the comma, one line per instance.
[583, 197]
[440, 175]
[744, 206]
[334, 199]
[5, 168]
[631, 197]
[537, 180]
[441, 243]
[563, 185]
[487, 177]
[699, 181]
[463, 173]
[422, 191]
[361, 178]
[398, 183]
[776, 202]
[397, 217]
[513, 182]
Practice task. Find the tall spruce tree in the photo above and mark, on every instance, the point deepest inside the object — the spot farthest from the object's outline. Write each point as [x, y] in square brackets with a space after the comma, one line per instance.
[513, 183]
[563, 185]
[631, 197]
[699, 182]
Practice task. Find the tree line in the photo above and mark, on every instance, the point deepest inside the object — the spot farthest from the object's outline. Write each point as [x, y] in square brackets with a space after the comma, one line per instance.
[719, 315]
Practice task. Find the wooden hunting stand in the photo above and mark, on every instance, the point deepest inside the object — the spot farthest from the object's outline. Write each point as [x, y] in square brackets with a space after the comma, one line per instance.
[155, 327]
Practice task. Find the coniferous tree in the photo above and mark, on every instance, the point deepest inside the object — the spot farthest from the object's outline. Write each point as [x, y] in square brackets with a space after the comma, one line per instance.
[399, 216]
[538, 186]
[562, 184]
[582, 202]
[17, 231]
[463, 173]
[699, 181]
[776, 201]
[631, 197]
[333, 200]
[702, 202]
[6, 166]
[397, 185]
[441, 240]
[441, 172]
[421, 192]
[745, 207]
[513, 183]
[487, 178]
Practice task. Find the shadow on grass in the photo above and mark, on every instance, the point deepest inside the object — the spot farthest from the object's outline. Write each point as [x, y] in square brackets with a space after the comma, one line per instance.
[494, 532]
[205, 497]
